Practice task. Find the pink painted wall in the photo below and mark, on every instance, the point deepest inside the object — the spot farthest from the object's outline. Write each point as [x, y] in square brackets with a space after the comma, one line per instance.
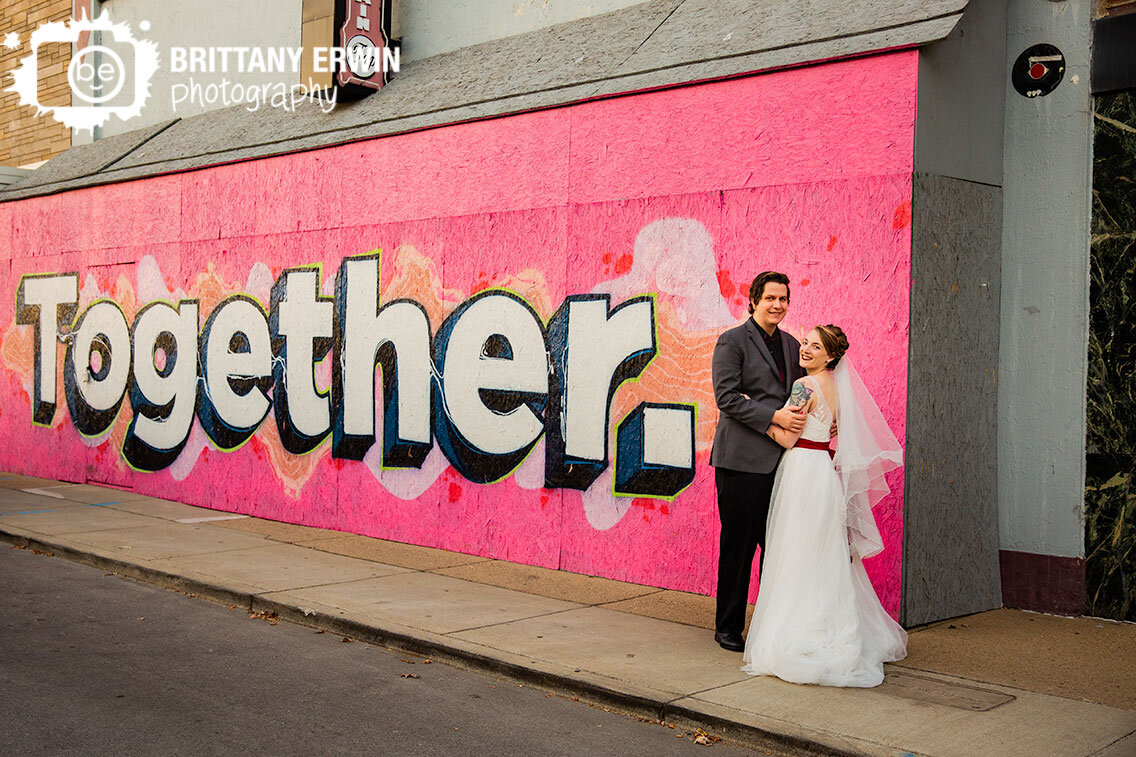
[686, 193]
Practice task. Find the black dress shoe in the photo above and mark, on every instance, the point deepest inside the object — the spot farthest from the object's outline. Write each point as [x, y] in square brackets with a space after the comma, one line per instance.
[730, 641]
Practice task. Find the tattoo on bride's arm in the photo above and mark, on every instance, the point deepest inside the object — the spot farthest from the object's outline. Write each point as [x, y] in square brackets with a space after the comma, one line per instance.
[800, 395]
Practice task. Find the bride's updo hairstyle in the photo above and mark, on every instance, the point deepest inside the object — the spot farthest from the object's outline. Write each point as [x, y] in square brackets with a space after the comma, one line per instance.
[834, 341]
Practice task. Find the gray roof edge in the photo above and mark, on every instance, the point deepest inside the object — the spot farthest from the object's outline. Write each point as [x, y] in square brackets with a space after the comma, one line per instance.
[619, 83]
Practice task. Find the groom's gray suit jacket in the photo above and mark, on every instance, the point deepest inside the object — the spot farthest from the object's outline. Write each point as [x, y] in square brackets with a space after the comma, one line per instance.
[743, 365]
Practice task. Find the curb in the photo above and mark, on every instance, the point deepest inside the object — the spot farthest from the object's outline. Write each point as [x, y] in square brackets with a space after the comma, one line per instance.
[592, 692]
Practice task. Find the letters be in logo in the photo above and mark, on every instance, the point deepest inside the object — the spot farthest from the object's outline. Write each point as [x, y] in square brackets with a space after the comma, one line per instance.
[112, 76]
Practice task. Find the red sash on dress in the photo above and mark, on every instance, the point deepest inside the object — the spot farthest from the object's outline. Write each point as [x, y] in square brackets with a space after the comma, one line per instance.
[822, 446]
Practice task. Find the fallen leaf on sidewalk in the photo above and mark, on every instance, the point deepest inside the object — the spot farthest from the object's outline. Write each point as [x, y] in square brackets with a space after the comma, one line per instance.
[410, 675]
[271, 617]
[705, 739]
[320, 631]
[427, 662]
[347, 640]
[19, 546]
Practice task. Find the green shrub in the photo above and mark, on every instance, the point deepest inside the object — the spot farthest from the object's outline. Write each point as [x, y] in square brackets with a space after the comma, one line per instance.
[1110, 485]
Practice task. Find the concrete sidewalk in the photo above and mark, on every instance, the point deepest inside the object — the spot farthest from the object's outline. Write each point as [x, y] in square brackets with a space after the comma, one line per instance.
[1003, 682]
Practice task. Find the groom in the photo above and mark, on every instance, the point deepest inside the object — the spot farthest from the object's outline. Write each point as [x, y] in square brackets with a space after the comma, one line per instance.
[755, 365]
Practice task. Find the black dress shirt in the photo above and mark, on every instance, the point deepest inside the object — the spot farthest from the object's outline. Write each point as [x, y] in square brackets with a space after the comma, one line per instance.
[773, 342]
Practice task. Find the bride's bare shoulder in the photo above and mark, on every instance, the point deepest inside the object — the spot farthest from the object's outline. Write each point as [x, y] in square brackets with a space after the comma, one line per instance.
[826, 382]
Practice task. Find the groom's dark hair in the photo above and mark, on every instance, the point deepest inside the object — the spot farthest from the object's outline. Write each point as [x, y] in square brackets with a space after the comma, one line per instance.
[757, 288]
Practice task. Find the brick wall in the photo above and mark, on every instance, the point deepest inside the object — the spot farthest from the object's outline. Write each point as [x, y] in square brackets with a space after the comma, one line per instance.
[318, 30]
[24, 136]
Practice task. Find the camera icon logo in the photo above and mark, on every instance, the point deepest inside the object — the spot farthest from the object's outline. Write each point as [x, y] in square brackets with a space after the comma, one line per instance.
[112, 76]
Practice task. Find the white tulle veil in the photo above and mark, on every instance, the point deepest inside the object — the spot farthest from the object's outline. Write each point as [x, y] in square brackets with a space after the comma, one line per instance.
[866, 450]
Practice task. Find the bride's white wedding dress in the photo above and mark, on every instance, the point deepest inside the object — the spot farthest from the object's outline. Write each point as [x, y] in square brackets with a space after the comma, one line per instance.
[818, 619]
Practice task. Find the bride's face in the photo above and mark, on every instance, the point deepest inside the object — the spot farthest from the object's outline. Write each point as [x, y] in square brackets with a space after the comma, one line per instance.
[813, 353]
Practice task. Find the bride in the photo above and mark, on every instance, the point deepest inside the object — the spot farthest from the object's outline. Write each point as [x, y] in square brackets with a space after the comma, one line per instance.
[818, 619]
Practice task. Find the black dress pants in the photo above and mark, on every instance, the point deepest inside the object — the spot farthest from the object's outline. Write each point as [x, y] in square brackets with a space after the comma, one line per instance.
[743, 505]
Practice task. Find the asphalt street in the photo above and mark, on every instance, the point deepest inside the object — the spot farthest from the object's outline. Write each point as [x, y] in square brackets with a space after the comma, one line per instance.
[93, 663]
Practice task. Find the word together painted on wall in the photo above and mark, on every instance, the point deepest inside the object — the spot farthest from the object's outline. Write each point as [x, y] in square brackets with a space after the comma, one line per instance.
[485, 387]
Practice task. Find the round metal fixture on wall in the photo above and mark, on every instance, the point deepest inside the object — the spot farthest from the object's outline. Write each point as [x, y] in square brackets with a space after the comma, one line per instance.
[1038, 70]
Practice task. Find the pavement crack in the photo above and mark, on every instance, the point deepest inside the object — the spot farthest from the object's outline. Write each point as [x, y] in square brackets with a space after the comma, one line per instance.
[1109, 745]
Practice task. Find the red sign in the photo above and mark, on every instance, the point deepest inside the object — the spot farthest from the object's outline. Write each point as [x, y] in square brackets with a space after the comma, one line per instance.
[364, 35]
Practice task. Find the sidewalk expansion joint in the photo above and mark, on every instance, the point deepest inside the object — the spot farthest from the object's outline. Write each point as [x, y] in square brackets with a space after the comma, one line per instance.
[266, 592]
[515, 620]
[72, 504]
[702, 691]
[96, 530]
[652, 592]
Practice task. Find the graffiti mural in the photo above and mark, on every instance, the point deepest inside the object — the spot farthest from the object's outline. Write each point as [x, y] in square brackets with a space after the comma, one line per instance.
[481, 386]
[506, 352]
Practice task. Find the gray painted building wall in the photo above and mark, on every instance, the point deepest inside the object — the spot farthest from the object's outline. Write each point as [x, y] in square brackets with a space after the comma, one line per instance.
[1045, 289]
[951, 542]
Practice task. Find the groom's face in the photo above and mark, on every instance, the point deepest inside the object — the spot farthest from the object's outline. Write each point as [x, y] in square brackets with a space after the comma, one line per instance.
[771, 308]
